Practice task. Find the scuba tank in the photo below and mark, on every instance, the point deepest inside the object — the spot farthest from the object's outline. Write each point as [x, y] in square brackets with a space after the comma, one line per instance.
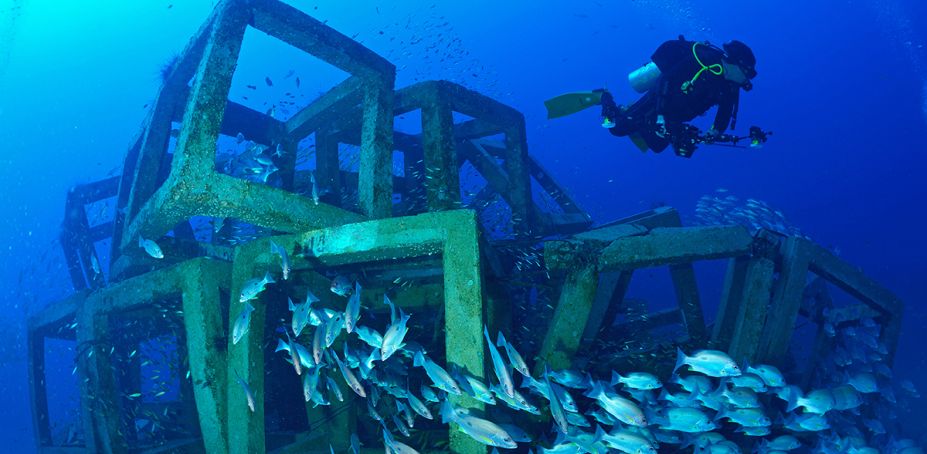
[644, 78]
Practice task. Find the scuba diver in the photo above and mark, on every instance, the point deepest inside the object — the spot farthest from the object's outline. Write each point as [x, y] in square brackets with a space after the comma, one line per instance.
[683, 80]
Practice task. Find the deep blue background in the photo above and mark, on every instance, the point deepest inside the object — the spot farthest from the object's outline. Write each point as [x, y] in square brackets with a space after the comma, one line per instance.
[842, 84]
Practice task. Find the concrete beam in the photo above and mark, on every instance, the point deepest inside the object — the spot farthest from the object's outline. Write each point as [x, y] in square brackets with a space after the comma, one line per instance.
[852, 280]
[668, 246]
[751, 315]
[342, 100]
[303, 32]
[375, 188]
[571, 315]
[786, 299]
[442, 174]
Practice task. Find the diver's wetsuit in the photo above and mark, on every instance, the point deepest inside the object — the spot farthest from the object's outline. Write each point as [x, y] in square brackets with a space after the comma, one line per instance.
[678, 65]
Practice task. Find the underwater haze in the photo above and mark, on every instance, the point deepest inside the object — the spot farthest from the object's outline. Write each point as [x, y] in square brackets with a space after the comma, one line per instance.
[842, 85]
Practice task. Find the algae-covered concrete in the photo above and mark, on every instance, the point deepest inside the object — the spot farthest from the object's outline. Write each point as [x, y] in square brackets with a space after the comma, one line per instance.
[450, 235]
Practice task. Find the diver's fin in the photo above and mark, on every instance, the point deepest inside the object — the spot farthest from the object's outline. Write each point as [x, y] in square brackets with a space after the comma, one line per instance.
[639, 142]
[571, 103]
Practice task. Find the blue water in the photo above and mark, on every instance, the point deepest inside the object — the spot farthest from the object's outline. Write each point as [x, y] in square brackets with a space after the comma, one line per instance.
[843, 84]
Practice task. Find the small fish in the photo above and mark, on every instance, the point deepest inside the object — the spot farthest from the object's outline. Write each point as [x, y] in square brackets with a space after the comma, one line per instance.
[624, 440]
[333, 388]
[294, 355]
[780, 443]
[239, 138]
[392, 339]
[269, 82]
[713, 363]
[818, 401]
[94, 264]
[318, 343]
[242, 323]
[301, 313]
[402, 427]
[622, 409]
[555, 409]
[352, 311]
[441, 379]
[637, 380]
[248, 395]
[255, 286]
[349, 377]
[428, 394]
[310, 382]
[284, 259]
[297, 81]
[502, 371]
[515, 358]
[418, 406]
[333, 328]
[355, 444]
[481, 430]
[151, 248]
[769, 374]
[315, 189]
[746, 417]
[341, 285]
[305, 358]
[370, 336]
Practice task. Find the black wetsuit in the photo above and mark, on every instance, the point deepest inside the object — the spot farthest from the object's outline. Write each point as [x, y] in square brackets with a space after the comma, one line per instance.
[677, 66]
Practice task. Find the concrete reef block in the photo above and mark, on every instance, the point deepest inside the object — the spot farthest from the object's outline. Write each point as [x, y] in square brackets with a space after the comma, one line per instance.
[450, 235]
[197, 282]
[194, 188]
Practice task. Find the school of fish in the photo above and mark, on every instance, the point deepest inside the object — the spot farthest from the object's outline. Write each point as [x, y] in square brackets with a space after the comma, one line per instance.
[711, 404]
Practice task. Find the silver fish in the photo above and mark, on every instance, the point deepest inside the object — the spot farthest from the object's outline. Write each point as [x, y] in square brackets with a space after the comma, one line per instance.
[341, 285]
[479, 429]
[713, 363]
[352, 311]
[333, 388]
[248, 394]
[418, 406]
[242, 323]
[502, 371]
[555, 409]
[392, 339]
[305, 358]
[301, 313]
[370, 336]
[315, 188]
[284, 259]
[441, 379]
[151, 248]
[255, 286]
[333, 328]
[515, 358]
[349, 377]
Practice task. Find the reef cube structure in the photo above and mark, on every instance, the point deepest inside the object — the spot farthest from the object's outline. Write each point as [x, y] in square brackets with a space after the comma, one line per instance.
[462, 273]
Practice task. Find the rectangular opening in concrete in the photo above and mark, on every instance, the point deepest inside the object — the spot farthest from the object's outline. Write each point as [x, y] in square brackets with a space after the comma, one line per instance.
[62, 385]
[409, 122]
[149, 366]
[277, 79]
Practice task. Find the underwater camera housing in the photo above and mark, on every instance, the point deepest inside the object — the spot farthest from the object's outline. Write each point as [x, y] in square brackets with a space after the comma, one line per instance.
[686, 138]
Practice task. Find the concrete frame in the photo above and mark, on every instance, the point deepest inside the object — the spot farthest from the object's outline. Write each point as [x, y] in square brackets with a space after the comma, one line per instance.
[77, 237]
[599, 264]
[198, 283]
[452, 235]
[194, 188]
[444, 146]
[50, 322]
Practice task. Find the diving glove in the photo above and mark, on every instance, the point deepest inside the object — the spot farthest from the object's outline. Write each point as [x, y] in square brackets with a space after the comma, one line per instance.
[610, 110]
